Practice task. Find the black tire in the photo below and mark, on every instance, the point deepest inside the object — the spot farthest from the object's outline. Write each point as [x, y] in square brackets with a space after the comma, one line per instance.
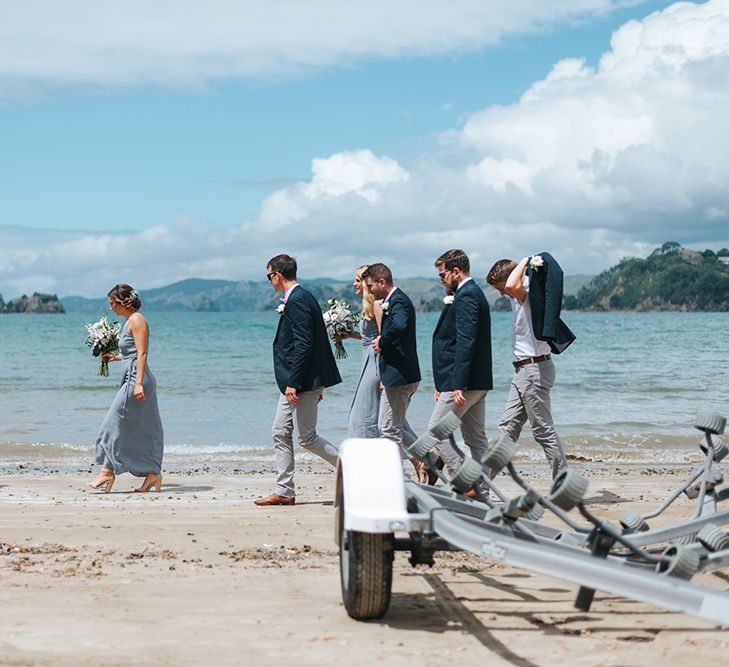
[499, 455]
[710, 422]
[568, 489]
[365, 570]
[712, 538]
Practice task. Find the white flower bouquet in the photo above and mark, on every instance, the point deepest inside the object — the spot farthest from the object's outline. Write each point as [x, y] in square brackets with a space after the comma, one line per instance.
[339, 320]
[103, 338]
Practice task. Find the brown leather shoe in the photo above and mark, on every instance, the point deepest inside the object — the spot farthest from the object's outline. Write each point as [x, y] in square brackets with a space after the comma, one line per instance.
[275, 499]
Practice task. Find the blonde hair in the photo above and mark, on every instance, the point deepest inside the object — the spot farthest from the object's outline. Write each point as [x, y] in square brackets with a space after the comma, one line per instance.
[368, 299]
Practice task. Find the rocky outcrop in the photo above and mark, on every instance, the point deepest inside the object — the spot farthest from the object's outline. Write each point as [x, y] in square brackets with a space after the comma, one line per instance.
[38, 303]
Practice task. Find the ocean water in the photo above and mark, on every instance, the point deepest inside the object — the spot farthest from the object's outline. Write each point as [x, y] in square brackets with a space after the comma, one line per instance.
[628, 389]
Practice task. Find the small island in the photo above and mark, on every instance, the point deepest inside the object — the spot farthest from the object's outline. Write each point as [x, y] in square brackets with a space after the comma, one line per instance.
[36, 304]
[671, 278]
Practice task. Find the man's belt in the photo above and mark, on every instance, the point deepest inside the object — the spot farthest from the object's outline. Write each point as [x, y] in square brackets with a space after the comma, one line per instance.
[531, 360]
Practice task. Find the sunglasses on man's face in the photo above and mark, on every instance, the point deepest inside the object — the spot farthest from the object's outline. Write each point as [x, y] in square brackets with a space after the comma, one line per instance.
[443, 274]
[270, 275]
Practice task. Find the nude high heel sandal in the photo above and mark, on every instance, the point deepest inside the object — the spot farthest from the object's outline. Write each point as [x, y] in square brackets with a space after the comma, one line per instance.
[106, 482]
[155, 482]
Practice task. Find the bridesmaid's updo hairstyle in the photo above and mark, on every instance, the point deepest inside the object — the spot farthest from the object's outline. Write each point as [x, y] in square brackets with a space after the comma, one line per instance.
[127, 296]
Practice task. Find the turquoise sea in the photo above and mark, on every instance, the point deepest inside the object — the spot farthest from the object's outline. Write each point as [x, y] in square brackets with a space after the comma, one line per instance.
[628, 388]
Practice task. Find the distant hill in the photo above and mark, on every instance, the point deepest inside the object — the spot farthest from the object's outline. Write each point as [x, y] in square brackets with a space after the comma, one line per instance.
[196, 294]
[671, 278]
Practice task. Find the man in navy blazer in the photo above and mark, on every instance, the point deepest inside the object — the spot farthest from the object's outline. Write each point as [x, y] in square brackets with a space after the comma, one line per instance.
[397, 345]
[303, 364]
[461, 356]
[534, 287]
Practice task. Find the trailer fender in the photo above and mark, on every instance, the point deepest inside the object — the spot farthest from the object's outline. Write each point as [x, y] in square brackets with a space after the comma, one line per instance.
[370, 485]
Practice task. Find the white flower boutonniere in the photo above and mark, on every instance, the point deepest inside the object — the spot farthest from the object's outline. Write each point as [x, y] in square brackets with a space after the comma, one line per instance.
[536, 261]
[280, 309]
[448, 300]
[385, 307]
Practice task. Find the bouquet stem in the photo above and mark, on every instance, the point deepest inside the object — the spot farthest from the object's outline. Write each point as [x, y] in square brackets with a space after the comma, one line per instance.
[340, 351]
[104, 369]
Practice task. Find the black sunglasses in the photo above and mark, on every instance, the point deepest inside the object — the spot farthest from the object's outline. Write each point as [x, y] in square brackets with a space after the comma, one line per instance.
[268, 275]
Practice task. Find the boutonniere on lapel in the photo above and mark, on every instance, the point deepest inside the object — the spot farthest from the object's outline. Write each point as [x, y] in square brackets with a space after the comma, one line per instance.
[281, 307]
[385, 307]
[448, 300]
[535, 262]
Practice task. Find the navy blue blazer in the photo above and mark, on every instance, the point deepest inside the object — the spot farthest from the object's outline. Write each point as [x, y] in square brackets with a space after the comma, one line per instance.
[545, 299]
[302, 354]
[399, 357]
[462, 342]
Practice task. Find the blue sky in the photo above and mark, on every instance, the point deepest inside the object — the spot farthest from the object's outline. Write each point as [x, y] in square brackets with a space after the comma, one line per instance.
[146, 150]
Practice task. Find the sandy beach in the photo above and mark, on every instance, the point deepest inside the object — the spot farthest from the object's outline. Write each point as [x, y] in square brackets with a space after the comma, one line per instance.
[199, 575]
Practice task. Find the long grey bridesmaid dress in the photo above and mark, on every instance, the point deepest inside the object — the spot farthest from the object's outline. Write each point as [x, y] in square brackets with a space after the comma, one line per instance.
[131, 437]
[365, 409]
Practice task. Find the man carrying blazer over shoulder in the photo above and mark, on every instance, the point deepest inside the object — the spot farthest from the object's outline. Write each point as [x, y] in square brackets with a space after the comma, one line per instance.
[303, 364]
[534, 287]
[461, 356]
[397, 345]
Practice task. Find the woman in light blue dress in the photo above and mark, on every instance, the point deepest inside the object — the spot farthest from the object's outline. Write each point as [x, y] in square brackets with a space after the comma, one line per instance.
[365, 409]
[131, 438]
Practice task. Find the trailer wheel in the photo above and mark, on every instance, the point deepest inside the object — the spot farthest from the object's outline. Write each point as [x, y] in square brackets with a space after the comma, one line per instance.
[568, 489]
[365, 569]
[712, 538]
[499, 455]
[710, 422]
[683, 563]
[633, 523]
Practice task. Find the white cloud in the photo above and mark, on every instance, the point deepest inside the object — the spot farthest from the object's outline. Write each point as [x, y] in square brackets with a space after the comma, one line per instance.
[190, 43]
[592, 163]
[358, 172]
[635, 140]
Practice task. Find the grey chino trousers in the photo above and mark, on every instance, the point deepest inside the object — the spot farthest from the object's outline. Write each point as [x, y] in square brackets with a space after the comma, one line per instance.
[529, 400]
[473, 426]
[302, 416]
[393, 406]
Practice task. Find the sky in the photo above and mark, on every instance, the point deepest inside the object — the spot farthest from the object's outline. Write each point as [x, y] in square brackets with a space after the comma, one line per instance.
[151, 142]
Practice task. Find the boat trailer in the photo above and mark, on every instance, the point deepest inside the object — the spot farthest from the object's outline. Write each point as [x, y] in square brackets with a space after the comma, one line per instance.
[380, 511]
